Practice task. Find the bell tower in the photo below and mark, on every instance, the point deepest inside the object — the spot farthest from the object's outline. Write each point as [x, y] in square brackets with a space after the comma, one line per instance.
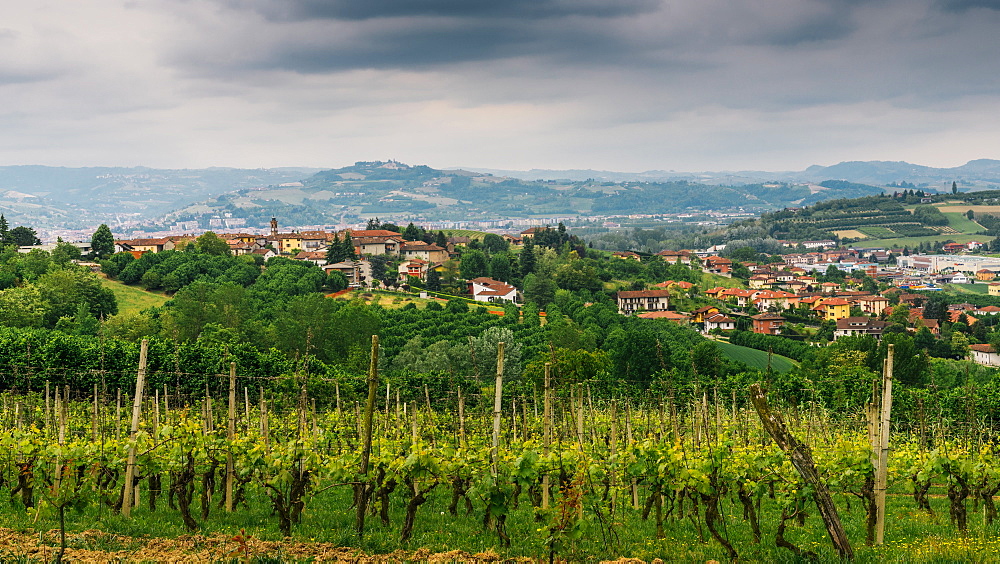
[274, 227]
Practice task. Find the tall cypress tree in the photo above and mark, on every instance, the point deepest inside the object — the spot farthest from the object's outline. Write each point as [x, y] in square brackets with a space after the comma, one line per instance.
[4, 230]
[347, 248]
[528, 256]
[334, 251]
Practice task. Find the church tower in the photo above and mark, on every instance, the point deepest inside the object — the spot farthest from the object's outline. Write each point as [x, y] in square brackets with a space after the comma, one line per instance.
[274, 227]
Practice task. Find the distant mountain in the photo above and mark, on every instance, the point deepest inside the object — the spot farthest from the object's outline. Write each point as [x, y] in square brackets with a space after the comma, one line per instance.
[398, 192]
[981, 174]
[70, 197]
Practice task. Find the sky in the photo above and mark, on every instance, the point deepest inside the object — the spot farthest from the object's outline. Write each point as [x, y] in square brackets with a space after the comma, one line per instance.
[623, 85]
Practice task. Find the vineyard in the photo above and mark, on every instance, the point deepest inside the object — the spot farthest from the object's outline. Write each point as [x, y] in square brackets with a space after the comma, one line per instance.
[554, 474]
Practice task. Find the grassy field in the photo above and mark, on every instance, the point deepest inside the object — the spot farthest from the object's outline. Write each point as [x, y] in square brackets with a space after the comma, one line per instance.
[755, 358]
[709, 280]
[899, 242]
[968, 288]
[464, 233]
[133, 298]
[959, 222]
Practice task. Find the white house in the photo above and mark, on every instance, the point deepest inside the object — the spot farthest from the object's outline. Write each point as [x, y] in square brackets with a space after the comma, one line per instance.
[719, 321]
[631, 301]
[984, 354]
[489, 290]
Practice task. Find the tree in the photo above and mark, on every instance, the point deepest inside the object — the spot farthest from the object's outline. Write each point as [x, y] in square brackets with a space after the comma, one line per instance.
[23, 237]
[500, 267]
[412, 232]
[473, 265]
[539, 290]
[64, 253]
[335, 250]
[954, 187]
[4, 230]
[494, 243]
[211, 244]
[102, 243]
[441, 240]
[336, 281]
[971, 215]
[433, 280]
[528, 256]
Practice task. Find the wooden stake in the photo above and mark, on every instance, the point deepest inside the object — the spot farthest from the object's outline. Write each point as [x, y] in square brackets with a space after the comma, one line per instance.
[546, 432]
[883, 454]
[140, 381]
[366, 451]
[231, 435]
[801, 458]
[461, 419]
[497, 408]
[263, 419]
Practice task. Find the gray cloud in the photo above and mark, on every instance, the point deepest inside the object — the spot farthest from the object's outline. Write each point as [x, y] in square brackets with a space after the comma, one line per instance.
[964, 5]
[372, 9]
[610, 84]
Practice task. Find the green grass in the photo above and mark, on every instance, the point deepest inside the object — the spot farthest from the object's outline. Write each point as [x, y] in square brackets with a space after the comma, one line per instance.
[969, 288]
[959, 222]
[875, 231]
[133, 298]
[464, 233]
[709, 280]
[911, 536]
[755, 358]
[912, 241]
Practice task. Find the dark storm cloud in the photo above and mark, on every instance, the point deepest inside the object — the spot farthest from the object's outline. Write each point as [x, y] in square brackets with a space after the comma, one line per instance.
[963, 5]
[372, 9]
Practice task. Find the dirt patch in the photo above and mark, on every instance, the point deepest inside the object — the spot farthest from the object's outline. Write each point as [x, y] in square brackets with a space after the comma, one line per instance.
[97, 546]
[992, 210]
[853, 233]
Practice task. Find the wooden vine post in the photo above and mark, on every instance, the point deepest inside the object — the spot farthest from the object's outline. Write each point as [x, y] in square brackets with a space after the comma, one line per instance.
[497, 410]
[802, 460]
[546, 432]
[362, 491]
[231, 435]
[140, 381]
[881, 469]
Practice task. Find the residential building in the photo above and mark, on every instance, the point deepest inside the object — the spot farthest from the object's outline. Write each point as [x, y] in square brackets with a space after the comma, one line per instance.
[489, 290]
[859, 326]
[676, 317]
[631, 301]
[873, 305]
[984, 354]
[699, 315]
[719, 321]
[767, 323]
[421, 250]
[833, 309]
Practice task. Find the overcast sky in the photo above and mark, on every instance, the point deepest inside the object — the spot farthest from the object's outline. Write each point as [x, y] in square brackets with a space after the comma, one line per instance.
[626, 85]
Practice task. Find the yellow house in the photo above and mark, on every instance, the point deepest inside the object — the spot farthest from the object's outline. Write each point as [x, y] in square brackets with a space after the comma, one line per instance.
[286, 242]
[833, 309]
[994, 289]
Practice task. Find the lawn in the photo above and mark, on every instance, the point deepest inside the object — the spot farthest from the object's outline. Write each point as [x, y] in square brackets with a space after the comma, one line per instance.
[959, 222]
[464, 233]
[133, 298]
[709, 280]
[755, 358]
[913, 241]
[969, 288]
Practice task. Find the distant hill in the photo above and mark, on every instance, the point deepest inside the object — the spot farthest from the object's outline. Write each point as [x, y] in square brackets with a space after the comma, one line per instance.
[70, 197]
[399, 192]
[978, 174]
[83, 197]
